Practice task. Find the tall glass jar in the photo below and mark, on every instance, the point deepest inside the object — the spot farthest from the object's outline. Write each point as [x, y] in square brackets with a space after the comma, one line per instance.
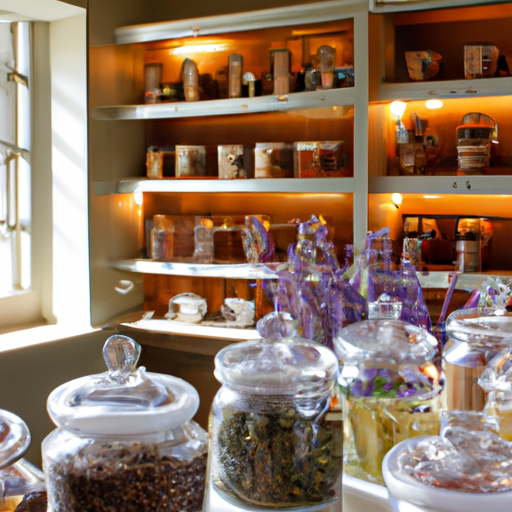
[125, 440]
[496, 381]
[391, 387]
[274, 442]
[22, 485]
[474, 337]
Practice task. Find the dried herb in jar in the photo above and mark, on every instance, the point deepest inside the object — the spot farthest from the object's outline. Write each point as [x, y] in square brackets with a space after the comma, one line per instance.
[276, 455]
[127, 478]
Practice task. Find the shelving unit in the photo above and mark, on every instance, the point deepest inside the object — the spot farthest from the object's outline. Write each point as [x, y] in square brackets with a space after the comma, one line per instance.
[396, 27]
[122, 127]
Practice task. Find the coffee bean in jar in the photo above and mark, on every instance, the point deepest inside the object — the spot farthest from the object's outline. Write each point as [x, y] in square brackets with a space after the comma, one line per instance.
[125, 440]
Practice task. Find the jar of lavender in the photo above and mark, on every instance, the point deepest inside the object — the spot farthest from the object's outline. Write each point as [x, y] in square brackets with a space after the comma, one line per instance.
[276, 443]
[391, 387]
[125, 440]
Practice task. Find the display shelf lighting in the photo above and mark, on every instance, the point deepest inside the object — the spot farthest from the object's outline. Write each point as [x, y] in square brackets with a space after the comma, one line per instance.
[198, 48]
[396, 199]
[433, 104]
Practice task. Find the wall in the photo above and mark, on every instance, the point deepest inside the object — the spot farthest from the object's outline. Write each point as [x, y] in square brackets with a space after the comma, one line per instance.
[29, 374]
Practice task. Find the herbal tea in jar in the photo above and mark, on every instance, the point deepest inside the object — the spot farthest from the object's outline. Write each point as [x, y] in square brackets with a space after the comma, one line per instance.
[274, 441]
[390, 389]
[125, 440]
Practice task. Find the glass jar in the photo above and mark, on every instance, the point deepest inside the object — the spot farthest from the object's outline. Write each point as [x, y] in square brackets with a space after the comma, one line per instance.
[21, 483]
[474, 337]
[391, 385]
[496, 381]
[274, 442]
[125, 440]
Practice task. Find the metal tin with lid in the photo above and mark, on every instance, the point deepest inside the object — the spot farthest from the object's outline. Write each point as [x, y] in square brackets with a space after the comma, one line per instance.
[125, 440]
[274, 442]
[391, 384]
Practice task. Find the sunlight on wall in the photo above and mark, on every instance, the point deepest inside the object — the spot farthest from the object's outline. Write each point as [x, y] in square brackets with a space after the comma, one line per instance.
[69, 122]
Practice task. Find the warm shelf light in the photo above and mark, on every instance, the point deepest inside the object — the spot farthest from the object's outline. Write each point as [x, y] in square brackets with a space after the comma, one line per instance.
[198, 48]
[138, 198]
[433, 104]
[397, 108]
[396, 199]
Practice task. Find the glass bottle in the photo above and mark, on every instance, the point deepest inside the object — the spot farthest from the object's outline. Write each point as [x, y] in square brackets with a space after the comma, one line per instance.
[235, 72]
[496, 381]
[474, 337]
[391, 389]
[125, 440]
[274, 443]
[203, 241]
[162, 238]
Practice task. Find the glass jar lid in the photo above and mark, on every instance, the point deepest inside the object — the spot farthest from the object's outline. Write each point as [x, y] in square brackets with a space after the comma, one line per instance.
[387, 341]
[386, 358]
[124, 400]
[280, 363]
[14, 438]
[482, 327]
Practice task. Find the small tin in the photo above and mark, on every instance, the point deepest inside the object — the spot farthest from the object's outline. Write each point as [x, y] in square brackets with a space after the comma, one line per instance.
[273, 160]
[190, 161]
[318, 159]
[234, 161]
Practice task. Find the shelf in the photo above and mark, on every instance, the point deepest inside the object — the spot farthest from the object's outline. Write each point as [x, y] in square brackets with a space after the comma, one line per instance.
[231, 271]
[239, 22]
[293, 101]
[277, 185]
[418, 5]
[441, 185]
[452, 89]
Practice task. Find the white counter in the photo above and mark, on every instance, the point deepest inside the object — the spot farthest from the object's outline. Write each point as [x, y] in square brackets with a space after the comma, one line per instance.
[358, 496]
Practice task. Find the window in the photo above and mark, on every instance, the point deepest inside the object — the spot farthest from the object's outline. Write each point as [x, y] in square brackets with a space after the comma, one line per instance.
[44, 266]
[15, 123]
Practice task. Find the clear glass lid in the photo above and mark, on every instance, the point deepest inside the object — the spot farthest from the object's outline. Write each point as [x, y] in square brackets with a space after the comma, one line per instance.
[485, 327]
[279, 363]
[124, 400]
[14, 438]
[386, 358]
[385, 341]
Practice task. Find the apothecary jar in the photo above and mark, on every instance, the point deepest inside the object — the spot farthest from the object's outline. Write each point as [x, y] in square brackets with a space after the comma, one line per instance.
[274, 442]
[391, 388]
[125, 440]
[474, 337]
[22, 484]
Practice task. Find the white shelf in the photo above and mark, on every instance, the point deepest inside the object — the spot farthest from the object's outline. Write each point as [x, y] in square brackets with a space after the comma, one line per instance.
[231, 271]
[445, 89]
[441, 185]
[239, 22]
[419, 5]
[206, 332]
[277, 185]
[331, 98]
